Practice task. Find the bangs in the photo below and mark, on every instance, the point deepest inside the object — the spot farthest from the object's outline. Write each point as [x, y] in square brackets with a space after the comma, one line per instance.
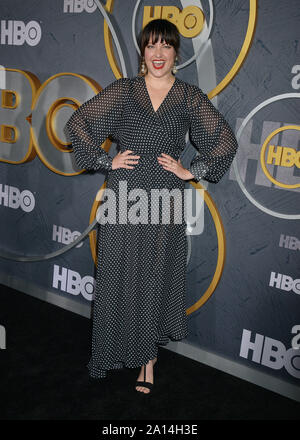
[160, 32]
[159, 29]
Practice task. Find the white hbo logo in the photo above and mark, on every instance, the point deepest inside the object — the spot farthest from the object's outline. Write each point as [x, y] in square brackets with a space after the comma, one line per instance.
[69, 281]
[11, 197]
[271, 353]
[65, 235]
[284, 282]
[289, 242]
[16, 33]
[79, 6]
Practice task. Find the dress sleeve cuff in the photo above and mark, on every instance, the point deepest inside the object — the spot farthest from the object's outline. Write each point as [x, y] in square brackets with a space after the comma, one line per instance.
[105, 161]
[198, 169]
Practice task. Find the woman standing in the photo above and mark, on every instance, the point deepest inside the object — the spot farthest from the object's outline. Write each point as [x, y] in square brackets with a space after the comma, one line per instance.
[139, 300]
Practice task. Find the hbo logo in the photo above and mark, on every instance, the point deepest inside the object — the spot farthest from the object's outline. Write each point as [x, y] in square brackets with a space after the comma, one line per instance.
[65, 236]
[69, 281]
[79, 6]
[11, 197]
[284, 156]
[17, 33]
[271, 353]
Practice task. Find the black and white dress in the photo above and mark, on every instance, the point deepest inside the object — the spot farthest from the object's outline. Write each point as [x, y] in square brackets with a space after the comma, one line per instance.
[139, 300]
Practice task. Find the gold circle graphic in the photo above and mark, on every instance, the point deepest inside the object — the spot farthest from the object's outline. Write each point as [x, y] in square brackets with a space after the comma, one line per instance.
[50, 126]
[243, 52]
[230, 75]
[262, 156]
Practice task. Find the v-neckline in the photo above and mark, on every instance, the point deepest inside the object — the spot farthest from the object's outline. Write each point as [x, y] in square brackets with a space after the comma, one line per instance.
[165, 98]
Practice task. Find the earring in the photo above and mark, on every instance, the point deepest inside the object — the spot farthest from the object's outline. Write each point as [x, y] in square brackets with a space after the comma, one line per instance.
[174, 70]
[143, 66]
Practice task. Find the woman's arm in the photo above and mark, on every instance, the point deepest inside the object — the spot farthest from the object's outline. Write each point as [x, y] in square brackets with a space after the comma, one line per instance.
[92, 123]
[212, 136]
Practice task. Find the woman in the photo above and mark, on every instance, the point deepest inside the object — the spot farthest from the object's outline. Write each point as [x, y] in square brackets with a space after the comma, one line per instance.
[139, 300]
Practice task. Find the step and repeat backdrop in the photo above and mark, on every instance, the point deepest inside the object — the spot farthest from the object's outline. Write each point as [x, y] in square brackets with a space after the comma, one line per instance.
[243, 267]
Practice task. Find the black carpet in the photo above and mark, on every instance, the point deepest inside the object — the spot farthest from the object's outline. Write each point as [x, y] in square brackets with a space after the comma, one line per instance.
[44, 377]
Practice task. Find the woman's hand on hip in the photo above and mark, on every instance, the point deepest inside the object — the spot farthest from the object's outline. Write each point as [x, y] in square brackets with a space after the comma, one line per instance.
[124, 160]
[170, 164]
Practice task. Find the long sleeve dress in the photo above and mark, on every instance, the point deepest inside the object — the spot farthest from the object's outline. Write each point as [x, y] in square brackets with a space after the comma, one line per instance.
[139, 299]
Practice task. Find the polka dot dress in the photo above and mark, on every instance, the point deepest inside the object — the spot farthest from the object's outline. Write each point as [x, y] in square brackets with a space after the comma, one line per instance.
[139, 300]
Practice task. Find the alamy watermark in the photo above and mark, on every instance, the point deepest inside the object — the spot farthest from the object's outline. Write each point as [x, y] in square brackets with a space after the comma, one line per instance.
[164, 206]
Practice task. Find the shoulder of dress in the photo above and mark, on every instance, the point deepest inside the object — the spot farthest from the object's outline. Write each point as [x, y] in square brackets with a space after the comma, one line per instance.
[190, 89]
[137, 78]
[195, 94]
[193, 88]
[125, 84]
[122, 81]
[116, 86]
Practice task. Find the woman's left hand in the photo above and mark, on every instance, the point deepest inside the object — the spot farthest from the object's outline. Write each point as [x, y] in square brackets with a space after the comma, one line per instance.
[170, 164]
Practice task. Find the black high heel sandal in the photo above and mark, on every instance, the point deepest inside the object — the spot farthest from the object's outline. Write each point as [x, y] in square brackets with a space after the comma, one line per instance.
[145, 384]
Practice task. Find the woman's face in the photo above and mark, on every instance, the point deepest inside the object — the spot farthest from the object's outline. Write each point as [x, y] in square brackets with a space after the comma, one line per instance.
[159, 58]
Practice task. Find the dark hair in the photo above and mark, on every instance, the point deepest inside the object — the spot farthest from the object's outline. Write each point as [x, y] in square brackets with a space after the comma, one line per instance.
[159, 28]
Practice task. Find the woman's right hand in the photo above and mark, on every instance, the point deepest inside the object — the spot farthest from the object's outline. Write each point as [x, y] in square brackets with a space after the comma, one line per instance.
[124, 160]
